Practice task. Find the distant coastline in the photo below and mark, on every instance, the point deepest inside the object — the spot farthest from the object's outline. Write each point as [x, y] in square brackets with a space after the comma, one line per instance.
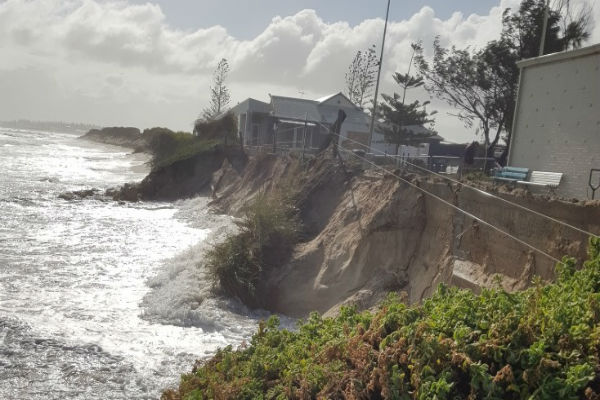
[52, 126]
[119, 136]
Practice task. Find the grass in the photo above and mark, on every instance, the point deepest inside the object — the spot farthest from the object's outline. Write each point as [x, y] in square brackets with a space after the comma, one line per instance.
[267, 234]
[540, 343]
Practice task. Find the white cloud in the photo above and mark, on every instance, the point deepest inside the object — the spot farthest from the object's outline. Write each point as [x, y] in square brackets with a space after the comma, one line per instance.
[111, 62]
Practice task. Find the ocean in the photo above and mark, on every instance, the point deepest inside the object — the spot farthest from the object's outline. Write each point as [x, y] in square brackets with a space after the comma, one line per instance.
[101, 299]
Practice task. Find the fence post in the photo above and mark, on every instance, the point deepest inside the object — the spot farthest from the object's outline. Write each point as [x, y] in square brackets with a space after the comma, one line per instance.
[275, 127]
[304, 136]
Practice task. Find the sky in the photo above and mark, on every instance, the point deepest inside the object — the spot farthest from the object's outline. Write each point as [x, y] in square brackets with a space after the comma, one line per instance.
[150, 63]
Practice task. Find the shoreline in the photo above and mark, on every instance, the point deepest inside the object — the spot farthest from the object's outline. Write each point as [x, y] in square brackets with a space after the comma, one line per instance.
[365, 236]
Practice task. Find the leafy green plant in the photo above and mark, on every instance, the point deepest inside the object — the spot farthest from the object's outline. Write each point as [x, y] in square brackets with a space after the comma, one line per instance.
[224, 129]
[540, 343]
[267, 233]
[168, 147]
[476, 176]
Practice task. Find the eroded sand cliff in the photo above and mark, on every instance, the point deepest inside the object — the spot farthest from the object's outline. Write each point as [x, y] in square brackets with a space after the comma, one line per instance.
[368, 234]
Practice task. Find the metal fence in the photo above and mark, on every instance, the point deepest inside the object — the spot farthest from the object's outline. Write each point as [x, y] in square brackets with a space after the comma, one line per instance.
[282, 150]
[449, 165]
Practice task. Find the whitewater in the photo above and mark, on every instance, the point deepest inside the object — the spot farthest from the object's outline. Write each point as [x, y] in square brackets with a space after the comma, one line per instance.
[101, 299]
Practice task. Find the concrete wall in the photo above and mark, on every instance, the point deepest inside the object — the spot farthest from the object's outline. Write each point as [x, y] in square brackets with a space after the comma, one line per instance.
[557, 120]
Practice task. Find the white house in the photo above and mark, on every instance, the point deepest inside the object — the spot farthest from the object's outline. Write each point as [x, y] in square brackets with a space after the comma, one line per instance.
[556, 125]
[291, 117]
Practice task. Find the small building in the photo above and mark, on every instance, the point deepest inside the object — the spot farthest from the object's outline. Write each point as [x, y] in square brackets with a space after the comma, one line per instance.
[299, 122]
[556, 125]
[306, 123]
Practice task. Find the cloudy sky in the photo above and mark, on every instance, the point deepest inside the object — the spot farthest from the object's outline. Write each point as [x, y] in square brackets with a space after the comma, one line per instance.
[149, 63]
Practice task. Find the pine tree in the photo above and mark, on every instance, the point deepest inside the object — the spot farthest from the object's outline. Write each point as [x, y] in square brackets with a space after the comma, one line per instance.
[397, 115]
[219, 92]
[361, 76]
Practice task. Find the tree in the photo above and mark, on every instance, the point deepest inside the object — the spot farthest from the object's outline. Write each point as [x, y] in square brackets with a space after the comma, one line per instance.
[482, 84]
[224, 128]
[400, 121]
[397, 115]
[472, 83]
[219, 93]
[361, 76]
[567, 27]
[575, 22]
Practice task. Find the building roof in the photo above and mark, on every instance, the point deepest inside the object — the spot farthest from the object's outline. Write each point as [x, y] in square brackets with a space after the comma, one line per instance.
[564, 55]
[251, 105]
[294, 108]
[325, 98]
[345, 98]
[259, 106]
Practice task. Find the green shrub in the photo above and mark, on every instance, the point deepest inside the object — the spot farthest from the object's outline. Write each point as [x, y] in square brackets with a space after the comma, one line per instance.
[223, 129]
[476, 176]
[267, 233]
[541, 343]
[168, 147]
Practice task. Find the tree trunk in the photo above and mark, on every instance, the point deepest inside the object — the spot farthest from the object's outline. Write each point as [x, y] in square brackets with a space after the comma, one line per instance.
[490, 150]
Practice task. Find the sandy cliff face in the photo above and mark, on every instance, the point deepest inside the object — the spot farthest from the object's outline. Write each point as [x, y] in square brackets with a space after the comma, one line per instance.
[363, 252]
[367, 235]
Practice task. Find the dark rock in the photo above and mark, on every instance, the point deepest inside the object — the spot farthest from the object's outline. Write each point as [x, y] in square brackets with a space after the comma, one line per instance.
[78, 194]
[127, 192]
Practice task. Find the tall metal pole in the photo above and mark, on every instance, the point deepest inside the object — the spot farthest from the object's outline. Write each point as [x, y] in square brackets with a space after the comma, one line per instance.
[374, 113]
[544, 28]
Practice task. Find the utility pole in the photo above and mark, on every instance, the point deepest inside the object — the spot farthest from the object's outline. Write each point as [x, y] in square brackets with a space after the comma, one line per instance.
[387, 14]
[544, 28]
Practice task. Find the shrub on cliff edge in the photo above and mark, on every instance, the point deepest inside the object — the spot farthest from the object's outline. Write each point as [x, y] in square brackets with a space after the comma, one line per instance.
[540, 343]
[168, 147]
[267, 233]
[223, 129]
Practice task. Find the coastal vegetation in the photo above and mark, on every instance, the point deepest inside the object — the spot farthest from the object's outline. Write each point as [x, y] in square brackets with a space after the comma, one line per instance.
[219, 92]
[223, 129]
[540, 343]
[168, 147]
[267, 233]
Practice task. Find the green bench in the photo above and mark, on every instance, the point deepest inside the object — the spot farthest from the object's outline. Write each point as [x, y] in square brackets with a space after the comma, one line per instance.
[515, 175]
[511, 174]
